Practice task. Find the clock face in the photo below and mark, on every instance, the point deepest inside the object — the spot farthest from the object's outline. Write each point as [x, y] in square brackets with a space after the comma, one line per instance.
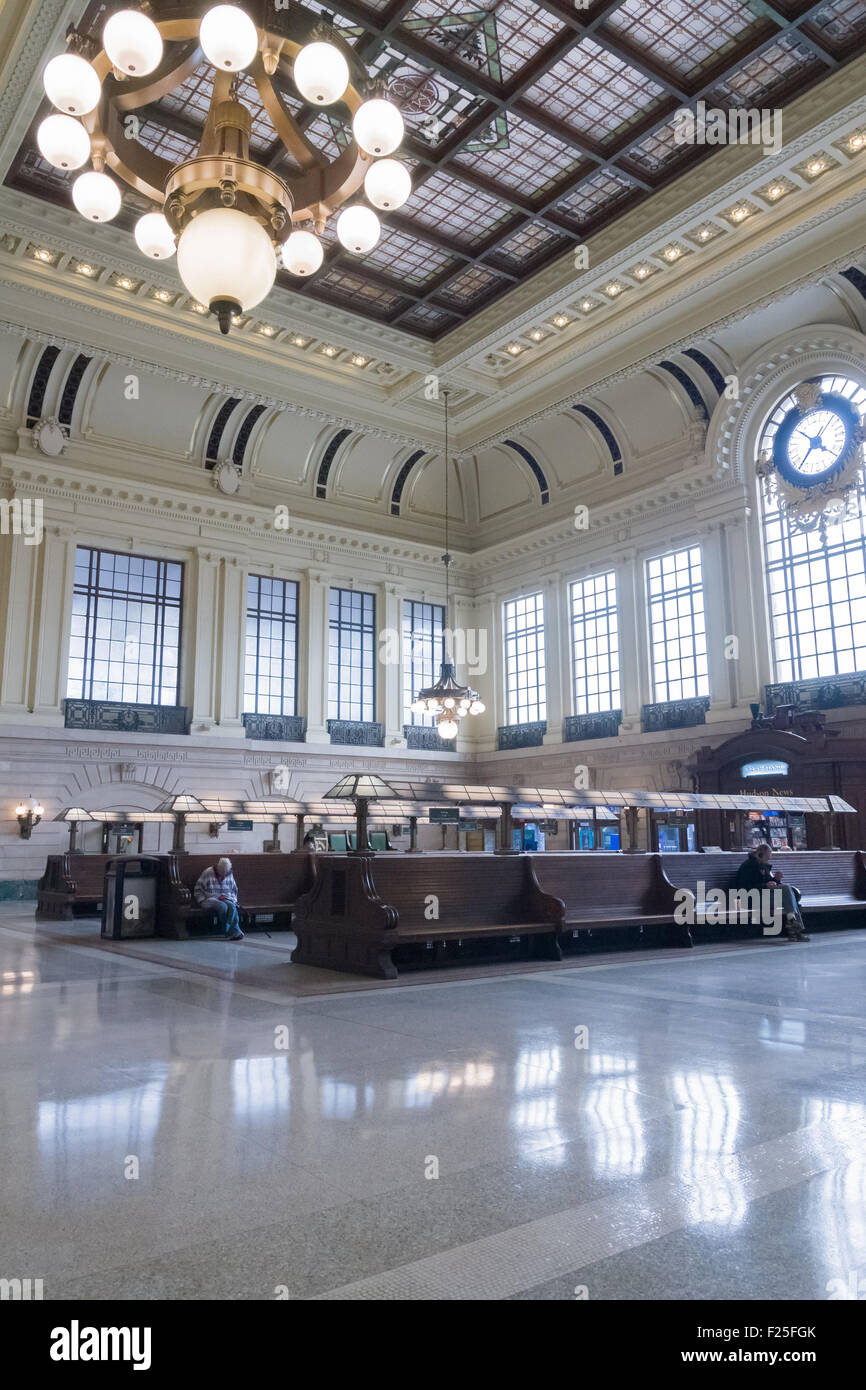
[817, 442]
[811, 446]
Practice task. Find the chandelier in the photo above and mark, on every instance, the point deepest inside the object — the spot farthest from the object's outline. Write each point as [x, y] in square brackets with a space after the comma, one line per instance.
[229, 217]
[447, 700]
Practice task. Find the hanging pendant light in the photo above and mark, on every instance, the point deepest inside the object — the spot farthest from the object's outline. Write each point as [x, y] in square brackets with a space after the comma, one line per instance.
[447, 701]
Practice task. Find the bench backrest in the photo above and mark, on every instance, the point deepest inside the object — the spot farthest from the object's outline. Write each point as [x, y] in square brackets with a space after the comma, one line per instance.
[261, 878]
[480, 890]
[627, 883]
[87, 873]
[814, 872]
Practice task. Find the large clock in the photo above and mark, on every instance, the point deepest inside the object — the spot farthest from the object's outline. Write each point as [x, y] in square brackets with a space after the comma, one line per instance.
[812, 445]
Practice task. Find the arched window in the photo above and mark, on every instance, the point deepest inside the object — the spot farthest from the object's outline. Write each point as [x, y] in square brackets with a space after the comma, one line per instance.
[816, 565]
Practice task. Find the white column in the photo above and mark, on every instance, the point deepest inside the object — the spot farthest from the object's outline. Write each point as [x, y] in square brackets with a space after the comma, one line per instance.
[478, 618]
[52, 622]
[20, 568]
[389, 670]
[632, 622]
[201, 642]
[231, 649]
[718, 618]
[315, 619]
[556, 657]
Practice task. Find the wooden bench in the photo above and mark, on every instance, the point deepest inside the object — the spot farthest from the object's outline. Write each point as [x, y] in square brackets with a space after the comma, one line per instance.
[363, 907]
[71, 885]
[829, 881]
[604, 891]
[269, 885]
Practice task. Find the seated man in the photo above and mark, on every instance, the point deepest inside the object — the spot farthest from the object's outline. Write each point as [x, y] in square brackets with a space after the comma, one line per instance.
[757, 871]
[217, 891]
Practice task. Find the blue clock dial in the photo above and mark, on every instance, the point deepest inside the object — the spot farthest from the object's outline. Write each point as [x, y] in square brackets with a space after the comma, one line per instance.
[811, 446]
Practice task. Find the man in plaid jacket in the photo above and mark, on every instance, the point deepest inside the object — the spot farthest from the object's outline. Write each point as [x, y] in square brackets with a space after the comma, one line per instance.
[216, 891]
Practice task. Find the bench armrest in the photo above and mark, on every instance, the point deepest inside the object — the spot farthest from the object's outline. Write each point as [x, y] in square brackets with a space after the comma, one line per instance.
[543, 907]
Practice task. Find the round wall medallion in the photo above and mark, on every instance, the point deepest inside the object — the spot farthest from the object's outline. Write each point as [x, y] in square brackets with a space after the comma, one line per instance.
[49, 438]
[226, 477]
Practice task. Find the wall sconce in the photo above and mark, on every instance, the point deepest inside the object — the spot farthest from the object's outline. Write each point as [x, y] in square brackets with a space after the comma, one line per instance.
[214, 829]
[29, 813]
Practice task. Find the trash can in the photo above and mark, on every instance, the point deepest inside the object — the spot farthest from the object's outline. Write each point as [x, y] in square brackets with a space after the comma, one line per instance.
[129, 897]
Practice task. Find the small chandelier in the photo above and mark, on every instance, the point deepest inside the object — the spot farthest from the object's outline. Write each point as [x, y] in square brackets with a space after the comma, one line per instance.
[229, 217]
[447, 700]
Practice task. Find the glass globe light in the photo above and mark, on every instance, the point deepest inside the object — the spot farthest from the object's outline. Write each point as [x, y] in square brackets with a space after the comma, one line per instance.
[321, 73]
[226, 260]
[63, 141]
[477, 707]
[378, 126]
[449, 702]
[71, 84]
[133, 43]
[387, 184]
[302, 253]
[447, 728]
[358, 229]
[229, 38]
[96, 196]
[154, 236]
[418, 707]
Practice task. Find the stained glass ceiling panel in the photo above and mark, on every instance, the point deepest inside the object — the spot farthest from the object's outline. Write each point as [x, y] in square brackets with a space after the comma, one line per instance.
[595, 93]
[525, 132]
[687, 36]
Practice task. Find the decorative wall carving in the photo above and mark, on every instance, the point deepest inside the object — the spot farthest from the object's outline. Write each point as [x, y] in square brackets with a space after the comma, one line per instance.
[521, 735]
[356, 734]
[114, 717]
[822, 692]
[427, 738]
[577, 727]
[674, 714]
[281, 728]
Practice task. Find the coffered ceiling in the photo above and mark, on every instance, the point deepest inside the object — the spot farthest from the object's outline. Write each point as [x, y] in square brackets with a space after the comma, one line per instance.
[531, 128]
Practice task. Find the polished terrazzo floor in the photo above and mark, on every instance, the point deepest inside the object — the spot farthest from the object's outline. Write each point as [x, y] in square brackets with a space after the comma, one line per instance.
[707, 1142]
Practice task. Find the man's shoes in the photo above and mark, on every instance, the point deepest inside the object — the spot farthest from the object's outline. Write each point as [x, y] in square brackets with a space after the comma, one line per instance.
[235, 935]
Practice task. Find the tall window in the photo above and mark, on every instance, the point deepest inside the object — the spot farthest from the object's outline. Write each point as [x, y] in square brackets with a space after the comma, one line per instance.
[816, 579]
[125, 639]
[271, 665]
[423, 653]
[352, 655]
[678, 635]
[524, 660]
[595, 644]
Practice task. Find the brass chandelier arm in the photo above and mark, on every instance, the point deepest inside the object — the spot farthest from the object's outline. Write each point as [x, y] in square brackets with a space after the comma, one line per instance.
[302, 149]
[320, 192]
[131, 94]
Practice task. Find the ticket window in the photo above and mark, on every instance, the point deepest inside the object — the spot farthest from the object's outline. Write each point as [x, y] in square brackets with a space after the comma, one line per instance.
[675, 834]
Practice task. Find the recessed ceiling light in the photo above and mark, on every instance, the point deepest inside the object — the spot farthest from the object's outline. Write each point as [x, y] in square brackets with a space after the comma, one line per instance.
[672, 253]
[613, 289]
[514, 349]
[358, 360]
[536, 335]
[856, 141]
[560, 320]
[299, 342]
[86, 269]
[199, 308]
[704, 234]
[163, 295]
[236, 318]
[815, 167]
[124, 283]
[267, 330]
[739, 213]
[329, 351]
[775, 190]
[42, 255]
[641, 272]
[586, 305]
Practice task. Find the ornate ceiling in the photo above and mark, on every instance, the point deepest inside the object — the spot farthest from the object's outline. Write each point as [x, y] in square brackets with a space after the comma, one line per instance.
[531, 127]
